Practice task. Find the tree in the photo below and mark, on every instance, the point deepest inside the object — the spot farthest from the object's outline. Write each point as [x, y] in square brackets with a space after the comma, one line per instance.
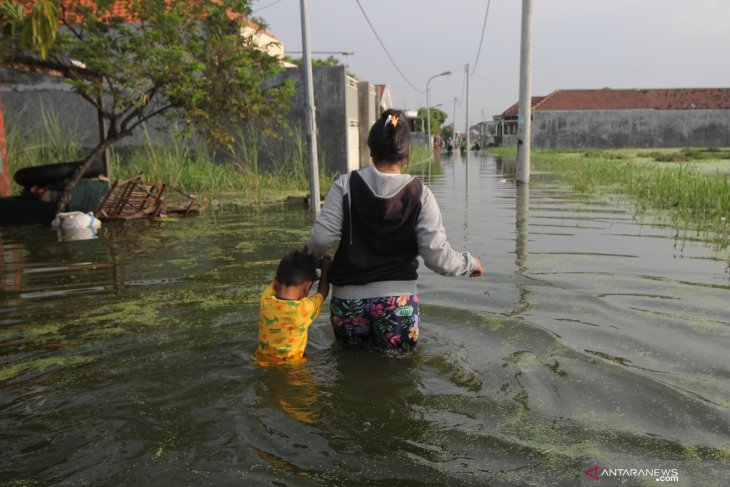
[316, 62]
[437, 118]
[191, 61]
[447, 131]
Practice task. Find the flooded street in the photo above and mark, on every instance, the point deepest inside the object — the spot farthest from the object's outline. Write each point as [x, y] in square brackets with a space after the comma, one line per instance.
[595, 338]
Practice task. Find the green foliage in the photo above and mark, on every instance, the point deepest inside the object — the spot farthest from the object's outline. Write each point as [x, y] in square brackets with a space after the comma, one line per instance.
[419, 153]
[39, 30]
[437, 118]
[189, 59]
[35, 29]
[447, 131]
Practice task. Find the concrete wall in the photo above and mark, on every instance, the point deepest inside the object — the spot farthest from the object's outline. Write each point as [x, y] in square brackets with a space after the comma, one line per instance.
[368, 113]
[25, 97]
[336, 101]
[629, 128]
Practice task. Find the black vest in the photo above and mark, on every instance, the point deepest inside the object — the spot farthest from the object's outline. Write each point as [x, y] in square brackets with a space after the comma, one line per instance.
[378, 238]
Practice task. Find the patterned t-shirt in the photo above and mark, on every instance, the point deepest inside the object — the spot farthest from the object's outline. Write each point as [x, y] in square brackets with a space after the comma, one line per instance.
[283, 325]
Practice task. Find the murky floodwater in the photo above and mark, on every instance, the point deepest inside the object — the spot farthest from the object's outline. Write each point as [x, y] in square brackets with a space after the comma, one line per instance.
[594, 339]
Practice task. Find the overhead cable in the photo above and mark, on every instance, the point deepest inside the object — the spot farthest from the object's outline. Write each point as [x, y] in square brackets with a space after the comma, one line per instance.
[386, 49]
[481, 41]
[495, 86]
[265, 6]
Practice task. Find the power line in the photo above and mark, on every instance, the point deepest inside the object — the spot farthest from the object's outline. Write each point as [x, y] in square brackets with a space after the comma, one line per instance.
[386, 49]
[266, 6]
[495, 86]
[481, 41]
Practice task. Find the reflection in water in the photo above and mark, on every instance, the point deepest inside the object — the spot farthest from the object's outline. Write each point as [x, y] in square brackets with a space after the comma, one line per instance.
[609, 348]
[291, 388]
[522, 221]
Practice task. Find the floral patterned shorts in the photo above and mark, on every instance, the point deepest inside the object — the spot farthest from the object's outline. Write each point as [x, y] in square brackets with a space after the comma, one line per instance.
[389, 322]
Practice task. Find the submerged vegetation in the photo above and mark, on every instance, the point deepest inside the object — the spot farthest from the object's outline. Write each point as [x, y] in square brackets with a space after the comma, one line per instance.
[696, 197]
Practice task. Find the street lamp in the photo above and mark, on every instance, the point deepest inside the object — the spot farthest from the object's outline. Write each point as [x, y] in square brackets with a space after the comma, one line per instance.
[428, 113]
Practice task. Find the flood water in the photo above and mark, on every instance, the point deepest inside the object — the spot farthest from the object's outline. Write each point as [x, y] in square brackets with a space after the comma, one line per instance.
[595, 339]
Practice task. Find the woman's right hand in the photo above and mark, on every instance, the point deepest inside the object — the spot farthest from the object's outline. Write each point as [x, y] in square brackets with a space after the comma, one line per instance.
[478, 271]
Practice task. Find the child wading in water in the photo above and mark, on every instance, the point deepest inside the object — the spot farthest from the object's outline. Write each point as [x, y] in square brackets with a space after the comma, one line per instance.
[384, 220]
[286, 309]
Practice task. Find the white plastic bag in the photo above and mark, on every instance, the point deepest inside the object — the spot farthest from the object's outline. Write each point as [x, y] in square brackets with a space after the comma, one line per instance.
[75, 219]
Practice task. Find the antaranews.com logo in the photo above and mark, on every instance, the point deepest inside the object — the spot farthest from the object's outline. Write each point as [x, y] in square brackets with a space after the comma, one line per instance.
[659, 474]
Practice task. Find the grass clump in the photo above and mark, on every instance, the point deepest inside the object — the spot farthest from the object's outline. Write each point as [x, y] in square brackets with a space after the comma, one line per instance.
[668, 156]
[419, 153]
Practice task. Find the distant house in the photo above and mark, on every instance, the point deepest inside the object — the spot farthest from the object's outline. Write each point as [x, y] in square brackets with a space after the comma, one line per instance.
[670, 117]
[507, 120]
[121, 9]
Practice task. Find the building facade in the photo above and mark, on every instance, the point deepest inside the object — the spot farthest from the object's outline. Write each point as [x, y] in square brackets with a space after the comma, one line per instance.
[671, 117]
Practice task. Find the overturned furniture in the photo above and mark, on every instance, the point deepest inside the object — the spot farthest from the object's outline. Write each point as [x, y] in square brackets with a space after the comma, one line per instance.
[134, 198]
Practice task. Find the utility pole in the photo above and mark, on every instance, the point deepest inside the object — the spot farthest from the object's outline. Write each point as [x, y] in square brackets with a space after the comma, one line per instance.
[311, 121]
[482, 143]
[454, 125]
[428, 114]
[468, 144]
[524, 118]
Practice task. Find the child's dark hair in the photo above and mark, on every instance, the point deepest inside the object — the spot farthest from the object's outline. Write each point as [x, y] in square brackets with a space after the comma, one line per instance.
[390, 137]
[296, 268]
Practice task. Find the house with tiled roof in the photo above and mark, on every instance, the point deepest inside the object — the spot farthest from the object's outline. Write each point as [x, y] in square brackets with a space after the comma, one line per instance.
[665, 117]
[123, 10]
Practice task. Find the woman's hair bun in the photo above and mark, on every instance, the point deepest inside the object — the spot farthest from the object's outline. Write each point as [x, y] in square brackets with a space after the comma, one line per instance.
[390, 137]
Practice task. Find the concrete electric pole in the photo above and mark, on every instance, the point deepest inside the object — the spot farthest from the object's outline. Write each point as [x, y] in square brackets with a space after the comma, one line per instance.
[311, 121]
[524, 118]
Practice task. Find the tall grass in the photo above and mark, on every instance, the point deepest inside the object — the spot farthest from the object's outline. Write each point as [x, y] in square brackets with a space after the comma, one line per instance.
[51, 142]
[419, 153]
[253, 171]
[249, 172]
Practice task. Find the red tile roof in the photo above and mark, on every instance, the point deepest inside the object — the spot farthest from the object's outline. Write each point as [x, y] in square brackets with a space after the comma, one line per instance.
[513, 111]
[124, 9]
[647, 99]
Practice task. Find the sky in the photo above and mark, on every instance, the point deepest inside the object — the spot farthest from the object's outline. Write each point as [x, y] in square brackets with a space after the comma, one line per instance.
[577, 44]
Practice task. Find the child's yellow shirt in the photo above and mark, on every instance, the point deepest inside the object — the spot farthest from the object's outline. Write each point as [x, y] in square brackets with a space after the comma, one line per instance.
[283, 326]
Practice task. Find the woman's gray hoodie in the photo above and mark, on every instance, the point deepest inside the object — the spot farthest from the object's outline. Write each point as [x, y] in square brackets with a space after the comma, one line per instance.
[433, 246]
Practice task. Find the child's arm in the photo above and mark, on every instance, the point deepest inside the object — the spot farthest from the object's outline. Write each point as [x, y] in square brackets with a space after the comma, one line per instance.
[324, 284]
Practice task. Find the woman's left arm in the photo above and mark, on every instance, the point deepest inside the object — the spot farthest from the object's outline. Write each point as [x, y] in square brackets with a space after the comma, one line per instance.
[328, 227]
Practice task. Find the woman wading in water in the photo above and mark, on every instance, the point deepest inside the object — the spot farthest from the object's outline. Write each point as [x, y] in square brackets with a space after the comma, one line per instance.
[384, 220]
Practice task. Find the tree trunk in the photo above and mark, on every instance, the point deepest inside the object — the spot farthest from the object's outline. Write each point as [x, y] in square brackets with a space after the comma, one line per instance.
[71, 184]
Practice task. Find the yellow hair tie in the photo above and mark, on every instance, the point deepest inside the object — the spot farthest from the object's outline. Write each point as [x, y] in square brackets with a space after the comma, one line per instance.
[393, 119]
